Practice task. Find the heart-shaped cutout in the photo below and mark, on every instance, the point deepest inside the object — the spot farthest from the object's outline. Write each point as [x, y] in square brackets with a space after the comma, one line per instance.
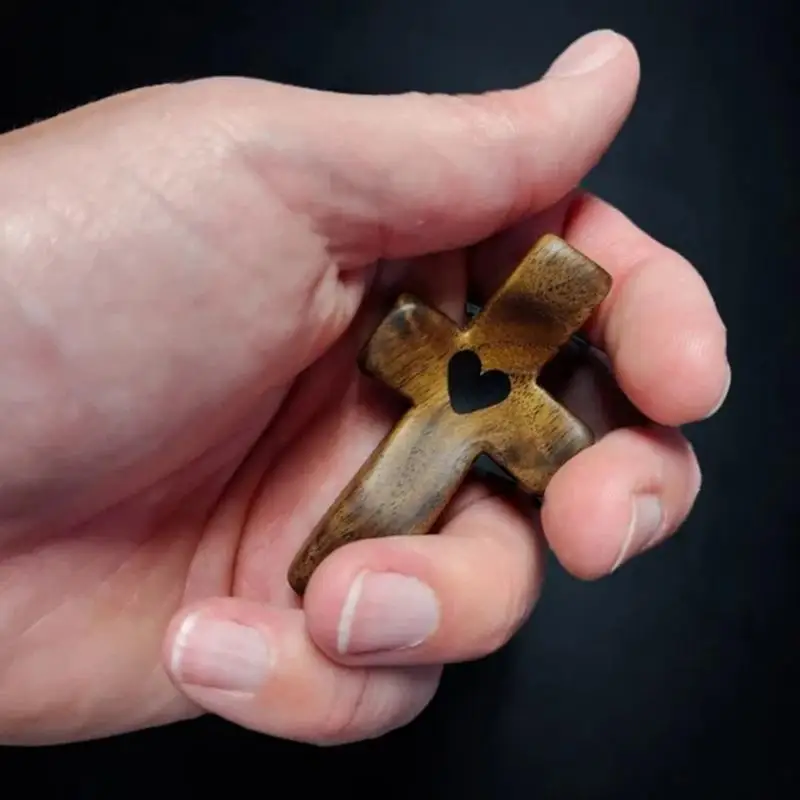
[470, 388]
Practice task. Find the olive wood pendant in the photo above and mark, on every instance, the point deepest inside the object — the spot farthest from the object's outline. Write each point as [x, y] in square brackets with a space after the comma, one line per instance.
[473, 392]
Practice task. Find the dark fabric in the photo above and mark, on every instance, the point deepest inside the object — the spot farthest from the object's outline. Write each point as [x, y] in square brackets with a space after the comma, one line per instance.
[677, 677]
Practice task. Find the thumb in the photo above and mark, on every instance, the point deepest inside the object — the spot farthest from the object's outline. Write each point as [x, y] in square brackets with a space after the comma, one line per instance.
[396, 176]
[390, 176]
[410, 174]
[256, 666]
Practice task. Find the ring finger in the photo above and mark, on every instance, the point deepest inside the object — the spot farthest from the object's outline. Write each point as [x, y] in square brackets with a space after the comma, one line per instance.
[432, 599]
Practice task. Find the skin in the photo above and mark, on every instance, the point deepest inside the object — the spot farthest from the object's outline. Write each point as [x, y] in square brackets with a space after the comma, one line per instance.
[186, 273]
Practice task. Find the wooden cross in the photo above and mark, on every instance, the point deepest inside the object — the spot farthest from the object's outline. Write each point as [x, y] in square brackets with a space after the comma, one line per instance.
[473, 391]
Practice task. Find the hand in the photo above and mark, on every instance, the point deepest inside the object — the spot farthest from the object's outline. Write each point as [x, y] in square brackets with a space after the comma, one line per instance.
[186, 273]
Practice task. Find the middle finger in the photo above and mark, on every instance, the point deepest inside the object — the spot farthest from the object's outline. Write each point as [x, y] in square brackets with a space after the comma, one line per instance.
[435, 599]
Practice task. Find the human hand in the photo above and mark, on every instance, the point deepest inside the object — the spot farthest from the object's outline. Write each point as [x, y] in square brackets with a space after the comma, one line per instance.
[187, 273]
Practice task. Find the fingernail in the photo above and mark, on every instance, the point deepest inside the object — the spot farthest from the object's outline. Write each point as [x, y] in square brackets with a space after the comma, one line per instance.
[218, 654]
[586, 54]
[647, 518]
[723, 397]
[386, 611]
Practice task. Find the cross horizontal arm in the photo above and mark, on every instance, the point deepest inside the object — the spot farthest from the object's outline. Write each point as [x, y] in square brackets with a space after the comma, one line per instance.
[544, 302]
[410, 349]
[537, 437]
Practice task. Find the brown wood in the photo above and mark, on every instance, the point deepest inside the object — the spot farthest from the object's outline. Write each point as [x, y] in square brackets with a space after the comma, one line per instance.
[445, 372]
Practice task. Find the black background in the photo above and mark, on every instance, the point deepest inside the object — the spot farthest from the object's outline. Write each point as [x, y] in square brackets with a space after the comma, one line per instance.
[678, 676]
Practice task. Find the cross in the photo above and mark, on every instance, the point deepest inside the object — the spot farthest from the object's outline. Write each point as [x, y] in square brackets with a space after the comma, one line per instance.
[473, 391]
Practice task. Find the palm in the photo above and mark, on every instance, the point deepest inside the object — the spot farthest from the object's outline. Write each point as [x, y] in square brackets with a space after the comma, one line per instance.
[90, 603]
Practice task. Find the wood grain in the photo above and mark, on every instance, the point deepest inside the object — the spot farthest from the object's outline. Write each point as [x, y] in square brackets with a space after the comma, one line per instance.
[411, 477]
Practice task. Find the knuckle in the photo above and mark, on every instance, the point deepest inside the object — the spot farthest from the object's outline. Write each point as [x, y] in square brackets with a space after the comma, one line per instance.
[513, 604]
[342, 722]
[483, 123]
[206, 116]
[507, 556]
[376, 702]
[212, 121]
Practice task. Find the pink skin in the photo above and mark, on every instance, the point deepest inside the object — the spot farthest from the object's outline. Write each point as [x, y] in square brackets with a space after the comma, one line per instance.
[179, 270]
